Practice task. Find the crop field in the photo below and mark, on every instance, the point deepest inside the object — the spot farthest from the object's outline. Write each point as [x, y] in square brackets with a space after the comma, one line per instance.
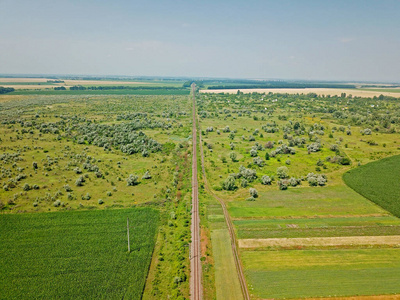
[323, 273]
[278, 161]
[76, 255]
[379, 182]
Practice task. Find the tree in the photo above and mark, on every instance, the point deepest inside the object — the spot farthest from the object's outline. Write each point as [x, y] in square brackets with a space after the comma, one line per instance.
[233, 156]
[266, 180]
[253, 192]
[282, 172]
[132, 180]
[229, 184]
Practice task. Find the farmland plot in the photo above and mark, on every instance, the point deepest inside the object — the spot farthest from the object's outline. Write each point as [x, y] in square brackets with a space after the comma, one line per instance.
[76, 255]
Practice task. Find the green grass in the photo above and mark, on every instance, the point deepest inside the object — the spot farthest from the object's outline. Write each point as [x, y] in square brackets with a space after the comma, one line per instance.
[76, 255]
[379, 182]
[226, 279]
[318, 227]
[317, 273]
[305, 202]
[104, 92]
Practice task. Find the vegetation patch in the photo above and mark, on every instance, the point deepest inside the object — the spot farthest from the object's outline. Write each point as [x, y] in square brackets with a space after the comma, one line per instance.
[379, 182]
[76, 255]
[323, 273]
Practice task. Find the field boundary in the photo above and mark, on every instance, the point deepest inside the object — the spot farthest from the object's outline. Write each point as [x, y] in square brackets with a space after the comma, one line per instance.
[320, 241]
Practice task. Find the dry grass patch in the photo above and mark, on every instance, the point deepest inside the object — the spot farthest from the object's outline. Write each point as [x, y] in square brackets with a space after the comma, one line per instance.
[393, 240]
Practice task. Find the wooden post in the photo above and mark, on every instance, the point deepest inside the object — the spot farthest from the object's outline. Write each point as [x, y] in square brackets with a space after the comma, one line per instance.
[127, 229]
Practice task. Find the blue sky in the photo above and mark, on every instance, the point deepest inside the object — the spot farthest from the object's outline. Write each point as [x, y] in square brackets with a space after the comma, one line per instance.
[316, 40]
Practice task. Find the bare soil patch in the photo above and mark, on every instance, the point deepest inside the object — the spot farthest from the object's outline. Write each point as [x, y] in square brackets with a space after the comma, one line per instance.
[320, 241]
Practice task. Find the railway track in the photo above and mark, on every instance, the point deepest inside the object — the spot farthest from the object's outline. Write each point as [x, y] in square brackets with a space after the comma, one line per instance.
[196, 288]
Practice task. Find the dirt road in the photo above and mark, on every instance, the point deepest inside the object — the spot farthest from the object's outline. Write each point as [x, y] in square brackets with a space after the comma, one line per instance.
[196, 288]
[228, 221]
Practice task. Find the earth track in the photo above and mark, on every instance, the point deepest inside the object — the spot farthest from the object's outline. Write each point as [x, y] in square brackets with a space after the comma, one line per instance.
[234, 243]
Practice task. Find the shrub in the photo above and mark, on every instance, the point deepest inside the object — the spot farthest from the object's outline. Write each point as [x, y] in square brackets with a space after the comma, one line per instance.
[132, 180]
[282, 172]
[67, 188]
[233, 156]
[57, 203]
[283, 184]
[248, 174]
[80, 181]
[26, 187]
[100, 201]
[229, 184]
[314, 147]
[253, 192]
[253, 152]
[146, 175]
[266, 180]
[244, 183]
[258, 161]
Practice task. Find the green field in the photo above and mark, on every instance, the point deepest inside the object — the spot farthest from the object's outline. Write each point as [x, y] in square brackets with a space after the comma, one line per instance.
[226, 280]
[322, 273]
[76, 255]
[305, 202]
[379, 182]
[317, 227]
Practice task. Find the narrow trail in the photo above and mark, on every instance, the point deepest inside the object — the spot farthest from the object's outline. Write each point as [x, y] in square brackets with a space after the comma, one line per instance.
[238, 264]
[196, 288]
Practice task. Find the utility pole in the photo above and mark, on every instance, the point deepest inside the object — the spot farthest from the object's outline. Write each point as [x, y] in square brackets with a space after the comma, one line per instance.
[127, 230]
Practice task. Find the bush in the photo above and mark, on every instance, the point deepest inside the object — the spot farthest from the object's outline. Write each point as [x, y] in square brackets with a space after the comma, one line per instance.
[233, 156]
[244, 183]
[132, 180]
[229, 184]
[100, 201]
[57, 203]
[283, 184]
[26, 187]
[67, 188]
[146, 175]
[258, 161]
[80, 181]
[248, 174]
[282, 172]
[253, 192]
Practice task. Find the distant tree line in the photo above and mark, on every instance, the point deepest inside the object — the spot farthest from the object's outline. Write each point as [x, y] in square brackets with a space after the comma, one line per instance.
[187, 84]
[5, 90]
[121, 87]
[278, 85]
